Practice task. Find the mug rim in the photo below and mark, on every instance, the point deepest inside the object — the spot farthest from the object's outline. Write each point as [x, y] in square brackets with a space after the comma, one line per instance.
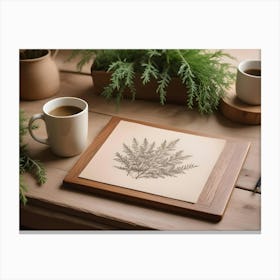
[246, 61]
[45, 111]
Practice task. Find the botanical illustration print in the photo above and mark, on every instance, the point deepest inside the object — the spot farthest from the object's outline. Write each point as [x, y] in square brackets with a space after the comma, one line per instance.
[147, 160]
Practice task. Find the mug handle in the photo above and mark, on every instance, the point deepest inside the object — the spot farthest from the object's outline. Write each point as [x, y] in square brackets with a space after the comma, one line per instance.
[32, 119]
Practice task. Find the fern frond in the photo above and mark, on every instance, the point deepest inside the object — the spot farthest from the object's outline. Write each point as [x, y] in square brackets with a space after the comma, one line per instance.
[35, 167]
[205, 77]
[149, 71]
[108, 91]
[86, 56]
[122, 76]
[152, 53]
[162, 86]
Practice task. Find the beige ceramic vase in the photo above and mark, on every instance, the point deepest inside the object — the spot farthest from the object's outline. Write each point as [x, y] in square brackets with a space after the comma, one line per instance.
[39, 77]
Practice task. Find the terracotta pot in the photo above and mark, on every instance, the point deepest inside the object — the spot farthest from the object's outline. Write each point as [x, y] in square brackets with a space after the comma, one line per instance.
[176, 91]
[39, 77]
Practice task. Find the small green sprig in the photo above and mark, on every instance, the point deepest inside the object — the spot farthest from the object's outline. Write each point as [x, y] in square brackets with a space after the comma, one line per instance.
[26, 163]
[122, 77]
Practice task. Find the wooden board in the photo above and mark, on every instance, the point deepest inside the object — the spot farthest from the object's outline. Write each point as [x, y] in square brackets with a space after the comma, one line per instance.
[236, 110]
[213, 199]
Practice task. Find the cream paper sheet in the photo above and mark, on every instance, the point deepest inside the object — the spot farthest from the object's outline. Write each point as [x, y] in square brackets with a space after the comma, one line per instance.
[153, 160]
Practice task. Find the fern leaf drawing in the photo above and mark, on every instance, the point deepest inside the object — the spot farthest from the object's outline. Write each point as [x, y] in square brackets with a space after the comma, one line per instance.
[147, 160]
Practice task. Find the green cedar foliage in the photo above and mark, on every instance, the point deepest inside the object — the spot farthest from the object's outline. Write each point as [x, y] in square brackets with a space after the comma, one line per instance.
[26, 163]
[203, 72]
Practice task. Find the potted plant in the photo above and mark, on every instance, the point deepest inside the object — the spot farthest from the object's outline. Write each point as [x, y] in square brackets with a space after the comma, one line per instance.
[39, 75]
[197, 78]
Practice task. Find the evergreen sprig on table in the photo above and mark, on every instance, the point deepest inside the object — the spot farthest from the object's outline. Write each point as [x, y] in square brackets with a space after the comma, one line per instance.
[148, 161]
[204, 73]
[26, 163]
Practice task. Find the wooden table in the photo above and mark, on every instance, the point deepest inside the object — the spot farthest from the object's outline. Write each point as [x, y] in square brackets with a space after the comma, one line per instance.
[54, 207]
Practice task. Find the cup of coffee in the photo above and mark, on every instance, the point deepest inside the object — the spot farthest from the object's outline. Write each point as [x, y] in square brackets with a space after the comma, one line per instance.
[248, 82]
[66, 120]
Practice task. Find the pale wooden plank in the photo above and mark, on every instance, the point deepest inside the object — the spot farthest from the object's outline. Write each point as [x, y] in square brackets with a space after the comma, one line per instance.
[40, 218]
[243, 211]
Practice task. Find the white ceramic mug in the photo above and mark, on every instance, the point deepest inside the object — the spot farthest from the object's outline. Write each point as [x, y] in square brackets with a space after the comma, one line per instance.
[248, 86]
[67, 135]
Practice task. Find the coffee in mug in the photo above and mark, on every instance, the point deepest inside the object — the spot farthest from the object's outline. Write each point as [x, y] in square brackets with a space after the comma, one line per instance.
[248, 82]
[66, 121]
[254, 72]
[65, 111]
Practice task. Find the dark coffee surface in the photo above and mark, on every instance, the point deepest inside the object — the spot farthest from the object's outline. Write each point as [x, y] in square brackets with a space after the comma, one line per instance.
[254, 72]
[65, 111]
